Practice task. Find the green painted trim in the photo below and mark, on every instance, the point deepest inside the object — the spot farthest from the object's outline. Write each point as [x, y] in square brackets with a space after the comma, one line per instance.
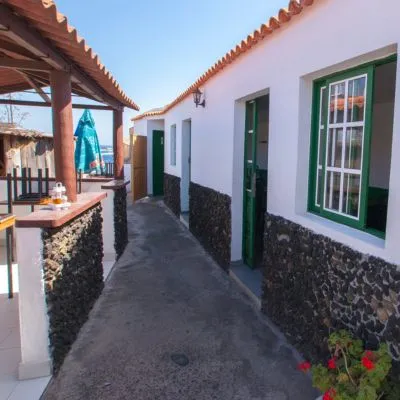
[367, 145]
[249, 220]
[369, 70]
[158, 165]
[375, 232]
[312, 177]
[376, 63]
[361, 221]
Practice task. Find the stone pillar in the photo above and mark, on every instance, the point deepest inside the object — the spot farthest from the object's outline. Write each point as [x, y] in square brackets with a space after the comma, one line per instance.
[63, 131]
[118, 141]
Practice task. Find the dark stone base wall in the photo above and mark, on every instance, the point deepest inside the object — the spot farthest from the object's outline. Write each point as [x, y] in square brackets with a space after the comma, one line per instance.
[312, 284]
[210, 221]
[73, 276]
[172, 193]
[120, 221]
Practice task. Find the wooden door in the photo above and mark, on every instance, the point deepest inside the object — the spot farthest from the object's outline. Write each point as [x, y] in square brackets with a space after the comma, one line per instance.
[158, 163]
[139, 166]
[249, 183]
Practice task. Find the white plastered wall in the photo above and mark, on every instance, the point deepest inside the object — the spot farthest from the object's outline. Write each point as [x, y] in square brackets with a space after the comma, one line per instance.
[145, 127]
[285, 64]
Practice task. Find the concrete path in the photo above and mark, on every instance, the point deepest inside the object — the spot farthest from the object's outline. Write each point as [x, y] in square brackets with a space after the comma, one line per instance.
[172, 325]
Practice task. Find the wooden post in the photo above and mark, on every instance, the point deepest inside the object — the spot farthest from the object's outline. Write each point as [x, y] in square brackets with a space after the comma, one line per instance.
[63, 131]
[118, 141]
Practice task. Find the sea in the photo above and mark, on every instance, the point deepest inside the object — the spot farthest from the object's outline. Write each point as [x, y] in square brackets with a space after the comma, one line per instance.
[107, 153]
[108, 157]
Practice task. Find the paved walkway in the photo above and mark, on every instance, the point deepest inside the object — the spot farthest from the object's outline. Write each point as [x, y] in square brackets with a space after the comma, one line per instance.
[171, 325]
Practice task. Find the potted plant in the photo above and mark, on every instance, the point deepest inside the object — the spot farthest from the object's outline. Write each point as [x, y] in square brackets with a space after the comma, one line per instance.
[352, 372]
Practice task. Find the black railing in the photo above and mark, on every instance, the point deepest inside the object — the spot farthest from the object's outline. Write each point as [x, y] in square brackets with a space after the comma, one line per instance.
[26, 179]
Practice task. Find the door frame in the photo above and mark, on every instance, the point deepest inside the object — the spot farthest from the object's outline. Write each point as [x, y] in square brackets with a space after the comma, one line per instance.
[248, 259]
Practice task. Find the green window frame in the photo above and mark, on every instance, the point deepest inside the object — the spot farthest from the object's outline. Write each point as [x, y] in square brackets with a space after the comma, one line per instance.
[340, 146]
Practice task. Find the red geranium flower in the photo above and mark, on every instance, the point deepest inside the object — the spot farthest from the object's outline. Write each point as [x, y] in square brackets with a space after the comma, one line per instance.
[304, 366]
[367, 363]
[329, 395]
[332, 363]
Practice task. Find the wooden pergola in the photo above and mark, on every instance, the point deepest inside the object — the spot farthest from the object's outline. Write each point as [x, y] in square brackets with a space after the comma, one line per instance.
[38, 48]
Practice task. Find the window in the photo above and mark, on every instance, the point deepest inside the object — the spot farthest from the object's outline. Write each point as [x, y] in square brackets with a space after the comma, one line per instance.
[173, 145]
[351, 146]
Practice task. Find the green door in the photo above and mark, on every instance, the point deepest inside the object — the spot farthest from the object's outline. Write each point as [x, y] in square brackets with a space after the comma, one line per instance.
[249, 184]
[158, 163]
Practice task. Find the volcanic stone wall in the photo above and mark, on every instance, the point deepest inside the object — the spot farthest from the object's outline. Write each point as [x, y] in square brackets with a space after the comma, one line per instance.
[210, 221]
[312, 283]
[172, 193]
[73, 277]
[120, 221]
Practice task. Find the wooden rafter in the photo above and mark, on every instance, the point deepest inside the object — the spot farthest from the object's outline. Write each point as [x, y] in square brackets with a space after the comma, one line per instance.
[35, 86]
[16, 29]
[8, 62]
[48, 104]
[13, 49]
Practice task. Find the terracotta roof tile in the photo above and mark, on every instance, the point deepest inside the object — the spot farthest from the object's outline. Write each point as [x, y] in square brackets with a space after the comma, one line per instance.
[44, 16]
[284, 16]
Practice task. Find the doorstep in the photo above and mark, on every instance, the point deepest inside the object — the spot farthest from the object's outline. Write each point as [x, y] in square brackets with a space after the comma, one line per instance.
[250, 280]
[184, 218]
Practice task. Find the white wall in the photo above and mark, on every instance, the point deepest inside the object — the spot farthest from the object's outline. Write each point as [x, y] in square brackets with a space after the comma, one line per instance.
[286, 63]
[145, 127]
[185, 165]
[127, 177]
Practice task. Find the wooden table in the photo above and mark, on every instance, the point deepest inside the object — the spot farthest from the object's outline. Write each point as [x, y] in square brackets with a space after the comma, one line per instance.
[7, 221]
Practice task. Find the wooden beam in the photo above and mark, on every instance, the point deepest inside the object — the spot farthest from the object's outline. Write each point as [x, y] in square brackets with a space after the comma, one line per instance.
[63, 131]
[13, 88]
[118, 144]
[18, 30]
[21, 33]
[45, 104]
[24, 64]
[14, 50]
[35, 86]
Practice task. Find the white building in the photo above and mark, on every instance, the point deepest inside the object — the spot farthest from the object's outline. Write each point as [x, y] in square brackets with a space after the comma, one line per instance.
[296, 156]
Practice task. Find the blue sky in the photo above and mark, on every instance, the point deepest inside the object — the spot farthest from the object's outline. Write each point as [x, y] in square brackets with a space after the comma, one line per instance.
[156, 48]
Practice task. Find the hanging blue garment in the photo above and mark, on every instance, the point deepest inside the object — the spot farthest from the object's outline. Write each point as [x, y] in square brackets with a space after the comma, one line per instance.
[87, 150]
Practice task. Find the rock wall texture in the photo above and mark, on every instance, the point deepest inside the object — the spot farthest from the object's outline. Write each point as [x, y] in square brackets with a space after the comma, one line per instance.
[172, 193]
[73, 277]
[120, 221]
[312, 283]
[210, 222]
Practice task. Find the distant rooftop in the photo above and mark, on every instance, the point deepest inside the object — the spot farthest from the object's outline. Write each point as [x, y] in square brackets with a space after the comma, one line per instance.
[15, 130]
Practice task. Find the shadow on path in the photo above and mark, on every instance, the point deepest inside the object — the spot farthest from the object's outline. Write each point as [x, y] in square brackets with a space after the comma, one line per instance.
[172, 325]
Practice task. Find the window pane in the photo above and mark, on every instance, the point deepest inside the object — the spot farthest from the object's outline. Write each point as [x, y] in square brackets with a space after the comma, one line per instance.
[351, 194]
[356, 100]
[334, 147]
[332, 190]
[353, 151]
[336, 103]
